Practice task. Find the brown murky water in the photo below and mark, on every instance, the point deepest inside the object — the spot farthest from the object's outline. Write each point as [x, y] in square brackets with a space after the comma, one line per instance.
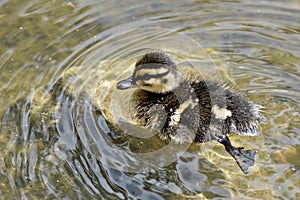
[69, 139]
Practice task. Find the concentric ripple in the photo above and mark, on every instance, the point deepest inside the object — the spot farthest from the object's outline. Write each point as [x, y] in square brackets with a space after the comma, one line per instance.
[66, 133]
[92, 86]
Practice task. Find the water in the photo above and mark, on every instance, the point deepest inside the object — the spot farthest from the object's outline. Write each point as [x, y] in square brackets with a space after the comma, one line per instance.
[75, 141]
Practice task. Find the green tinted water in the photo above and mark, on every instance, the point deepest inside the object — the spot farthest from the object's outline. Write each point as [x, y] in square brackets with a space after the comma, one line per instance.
[61, 145]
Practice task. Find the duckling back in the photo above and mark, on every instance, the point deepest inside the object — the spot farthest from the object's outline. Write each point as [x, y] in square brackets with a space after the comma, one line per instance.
[207, 108]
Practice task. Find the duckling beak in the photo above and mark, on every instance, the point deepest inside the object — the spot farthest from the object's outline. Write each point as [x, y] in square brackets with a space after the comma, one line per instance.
[126, 84]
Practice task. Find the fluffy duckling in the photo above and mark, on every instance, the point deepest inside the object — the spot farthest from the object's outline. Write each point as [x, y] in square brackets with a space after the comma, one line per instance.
[182, 106]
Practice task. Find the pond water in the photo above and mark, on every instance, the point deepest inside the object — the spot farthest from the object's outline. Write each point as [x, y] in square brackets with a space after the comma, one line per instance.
[64, 133]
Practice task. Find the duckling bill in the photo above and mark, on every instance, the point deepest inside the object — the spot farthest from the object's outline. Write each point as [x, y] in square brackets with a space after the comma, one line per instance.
[186, 107]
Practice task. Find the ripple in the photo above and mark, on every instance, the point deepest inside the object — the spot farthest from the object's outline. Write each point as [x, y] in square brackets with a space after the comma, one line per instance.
[65, 132]
[101, 68]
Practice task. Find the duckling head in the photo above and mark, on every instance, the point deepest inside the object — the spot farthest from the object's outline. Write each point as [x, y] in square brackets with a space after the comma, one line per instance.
[154, 72]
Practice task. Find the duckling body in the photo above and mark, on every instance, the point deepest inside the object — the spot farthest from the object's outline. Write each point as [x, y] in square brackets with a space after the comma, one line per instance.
[185, 107]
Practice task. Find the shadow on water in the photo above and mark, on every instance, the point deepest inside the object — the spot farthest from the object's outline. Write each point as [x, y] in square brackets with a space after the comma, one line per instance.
[66, 132]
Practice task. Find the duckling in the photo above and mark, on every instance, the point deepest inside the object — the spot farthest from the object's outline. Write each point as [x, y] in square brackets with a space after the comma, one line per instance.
[183, 106]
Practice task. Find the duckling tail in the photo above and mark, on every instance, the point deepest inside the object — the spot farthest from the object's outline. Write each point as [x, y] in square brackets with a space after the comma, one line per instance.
[244, 158]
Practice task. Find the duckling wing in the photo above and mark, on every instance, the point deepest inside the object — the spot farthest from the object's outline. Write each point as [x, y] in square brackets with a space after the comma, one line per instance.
[232, 111]
[245, 115]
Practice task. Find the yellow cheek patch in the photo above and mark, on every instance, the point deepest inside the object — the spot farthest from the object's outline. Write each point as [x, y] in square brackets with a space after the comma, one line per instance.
[153, 81]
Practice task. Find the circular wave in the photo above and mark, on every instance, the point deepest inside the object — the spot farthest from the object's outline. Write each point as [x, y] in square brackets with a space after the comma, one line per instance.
[92, 87]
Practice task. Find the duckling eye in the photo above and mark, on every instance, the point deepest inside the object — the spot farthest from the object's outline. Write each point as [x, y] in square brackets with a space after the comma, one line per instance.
[147, 85]
[146, 77]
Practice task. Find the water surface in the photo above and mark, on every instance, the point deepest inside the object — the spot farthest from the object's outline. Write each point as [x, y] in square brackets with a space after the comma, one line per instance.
[65, 139]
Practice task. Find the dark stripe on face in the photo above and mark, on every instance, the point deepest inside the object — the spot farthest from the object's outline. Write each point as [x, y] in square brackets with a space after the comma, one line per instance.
[150, 66]
[150, 76]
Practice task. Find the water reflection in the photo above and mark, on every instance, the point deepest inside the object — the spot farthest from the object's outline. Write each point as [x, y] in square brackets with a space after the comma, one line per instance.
[45, 149]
